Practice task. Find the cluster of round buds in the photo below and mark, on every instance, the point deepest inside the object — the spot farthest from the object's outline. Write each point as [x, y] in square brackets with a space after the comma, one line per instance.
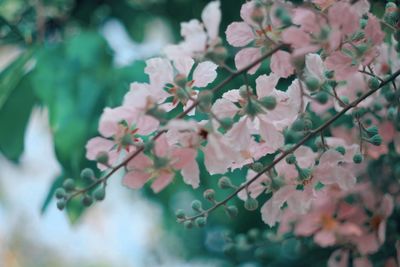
[69, 189]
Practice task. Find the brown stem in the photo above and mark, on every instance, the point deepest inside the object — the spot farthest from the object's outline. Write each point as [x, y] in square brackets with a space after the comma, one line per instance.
[183, 114]
[296, 146]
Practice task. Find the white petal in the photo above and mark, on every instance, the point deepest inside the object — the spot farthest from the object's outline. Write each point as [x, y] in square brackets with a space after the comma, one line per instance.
[204, 74]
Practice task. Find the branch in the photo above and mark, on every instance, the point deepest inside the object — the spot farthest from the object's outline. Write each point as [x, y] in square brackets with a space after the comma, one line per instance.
[296, 146]
[181, 115]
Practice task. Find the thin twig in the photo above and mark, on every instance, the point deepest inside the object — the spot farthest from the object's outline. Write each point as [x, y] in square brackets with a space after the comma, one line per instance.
[181, 115]
[296, 146]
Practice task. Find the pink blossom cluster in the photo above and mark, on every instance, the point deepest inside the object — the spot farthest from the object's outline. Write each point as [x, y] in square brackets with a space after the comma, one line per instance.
[332, 52]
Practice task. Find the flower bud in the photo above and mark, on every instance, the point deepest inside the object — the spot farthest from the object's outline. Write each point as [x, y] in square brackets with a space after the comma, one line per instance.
[322, 97]
[69, 184]
[372, 130]
[100, 193]
[205, 100]
[188, 224]
[341, 150]
[298, 125]
[209, 194]
[276, 183]
[61, 204]
[180, 214]
[376, 140]
[253, 108]
[225, 183]
[87, 174]
[180, 80]
[102, 158]
[244, 91]
[344, 101]
[357, 158]
[373, 83]
[251, 204]
[231, 211]
[291, 159]
[60, 193]
[269, 102]
[257, 166]
[304, 173]
[329, 74]
[196, 206]
[226, 123]
[201, 221]
[87, 200]
[312, 83]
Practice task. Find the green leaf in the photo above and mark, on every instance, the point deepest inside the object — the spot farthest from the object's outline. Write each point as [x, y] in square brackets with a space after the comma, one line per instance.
[11, 76]
[14, 116]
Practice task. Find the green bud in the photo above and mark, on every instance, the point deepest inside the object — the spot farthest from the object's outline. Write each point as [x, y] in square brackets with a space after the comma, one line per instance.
[269, 102]
[100, 193]
[390, 96]
[244, 91]
[188, 224]
[102, 158]
[291, 159]
[329, 74]
[251, 204]
[378, 106]
[180, 80]
[357, 158]
[363, 23]
[373, 83]
[392, 113]
[205, 100]
[341, 150]
[376, 140]
[61, 204]
[372, 130]
[87, 200]
[304, 174]
[69, 184]
[361, 49]
[253, 108]
[226, 123]
[201, 221]
[286, 20]
[345, 101]
[225, 183]
[257, 166]
[231, 211]
[209, 194]
[126, 140]
[308, 124]
[87, 174]
[298, 125]
[322, 97]
[158, 113]
[254, 234]
[276, 183]
[180, 214]
[196, 206]
[312, 83]
[60, 193]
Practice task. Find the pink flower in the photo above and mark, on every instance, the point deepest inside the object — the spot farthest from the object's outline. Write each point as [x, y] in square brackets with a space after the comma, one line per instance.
[199, 37]
[162, 166]
[121, 129]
